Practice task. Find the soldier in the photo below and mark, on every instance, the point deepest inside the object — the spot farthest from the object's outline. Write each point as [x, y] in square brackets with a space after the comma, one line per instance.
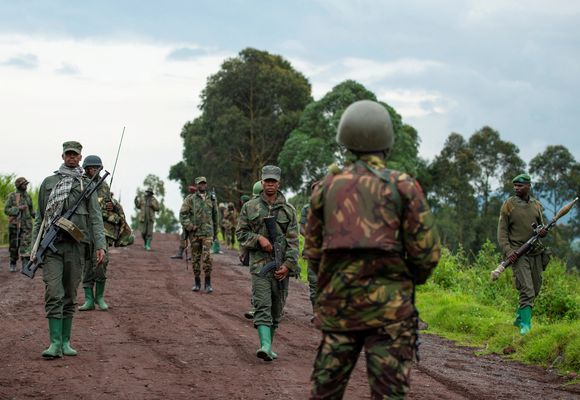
[370, 237]
[95, 275]
[183, 237]
[269, 291]
[62, 269]
[311, 274]
[516, 218]
[199, 217]
[147, 206]
[20, 213]
[230, 222]
[244, 253]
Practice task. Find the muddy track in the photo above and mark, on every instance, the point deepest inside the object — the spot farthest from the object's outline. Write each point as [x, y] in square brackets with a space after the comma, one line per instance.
[159, 340]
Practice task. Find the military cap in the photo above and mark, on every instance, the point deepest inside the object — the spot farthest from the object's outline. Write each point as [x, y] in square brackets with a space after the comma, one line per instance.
[72, 145]
[200, 179]
[271, 172]
[522, 178]
[149, 190]
[20, 181]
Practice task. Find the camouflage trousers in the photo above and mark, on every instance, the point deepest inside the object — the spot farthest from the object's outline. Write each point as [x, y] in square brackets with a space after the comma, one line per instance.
[19, 247]
[201, 254]
[528, 278]
[230, 237]
[389, 352]
[61, 274]
[312, 284]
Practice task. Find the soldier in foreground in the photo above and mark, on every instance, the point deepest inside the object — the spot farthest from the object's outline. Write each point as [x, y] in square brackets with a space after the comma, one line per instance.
[183, 237]
[245, 253]
[269, 289]
[147, 206]
[199, 217]
[62, 270]
[370, 237]
[18, 208]
[516, 218]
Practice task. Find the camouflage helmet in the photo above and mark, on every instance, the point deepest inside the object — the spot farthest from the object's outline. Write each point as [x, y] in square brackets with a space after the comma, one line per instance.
[20, 181]
[257, 188]
[92, 161]
[365, 126]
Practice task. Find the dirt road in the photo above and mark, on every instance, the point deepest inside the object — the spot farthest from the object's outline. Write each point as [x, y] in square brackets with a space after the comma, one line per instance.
[159, 340]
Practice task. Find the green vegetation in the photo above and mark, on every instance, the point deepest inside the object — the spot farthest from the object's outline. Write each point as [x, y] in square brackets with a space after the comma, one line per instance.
[7, 187]
[461, 303]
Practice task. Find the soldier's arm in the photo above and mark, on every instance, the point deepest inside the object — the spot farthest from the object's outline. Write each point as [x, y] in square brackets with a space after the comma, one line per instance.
[11, 208]
[244, 233]
[503, 230]
[420, 238]
[137, 202]
[96, 222]
[154, 204]
[314, 229]
[184, 212]
[292, 244]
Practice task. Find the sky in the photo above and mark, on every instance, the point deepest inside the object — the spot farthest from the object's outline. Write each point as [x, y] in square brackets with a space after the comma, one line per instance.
[84, 70]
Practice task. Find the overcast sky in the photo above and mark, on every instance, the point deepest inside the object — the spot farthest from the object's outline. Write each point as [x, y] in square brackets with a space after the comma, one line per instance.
[83, 70]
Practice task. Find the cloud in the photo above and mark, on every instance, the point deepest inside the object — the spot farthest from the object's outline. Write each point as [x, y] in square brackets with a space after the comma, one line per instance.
[67, 69]
[185, 54]
[22, 61]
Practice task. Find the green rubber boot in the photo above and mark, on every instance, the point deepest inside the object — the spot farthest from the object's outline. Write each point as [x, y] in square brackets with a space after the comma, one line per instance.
[147, 244]
[272, 332]
[89, 300]
[215, 247]
[518, 320]
[526, 324]
[265, 350]
[55, 333]
[67, 350]
[100, 296]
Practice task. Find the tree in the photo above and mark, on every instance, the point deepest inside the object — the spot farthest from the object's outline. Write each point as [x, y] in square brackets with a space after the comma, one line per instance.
[312, 147]
[249, 108]
[165, 220]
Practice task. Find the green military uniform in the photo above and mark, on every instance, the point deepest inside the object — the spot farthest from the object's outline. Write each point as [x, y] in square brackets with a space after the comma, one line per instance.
[514, 228]
[147, 206]
[229, 223]
[268, 298]
[312, 278]
[20, 212]
[199, 216]
[62, 270]
[369, 236]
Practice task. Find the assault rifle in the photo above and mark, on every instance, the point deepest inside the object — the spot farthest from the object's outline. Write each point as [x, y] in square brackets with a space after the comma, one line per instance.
[270, 223]
[526, 247]
[59, 223]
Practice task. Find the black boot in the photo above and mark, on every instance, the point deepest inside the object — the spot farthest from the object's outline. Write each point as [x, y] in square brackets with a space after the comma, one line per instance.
[208, 288]
[179, 254]
[12, 267]
[197, 286]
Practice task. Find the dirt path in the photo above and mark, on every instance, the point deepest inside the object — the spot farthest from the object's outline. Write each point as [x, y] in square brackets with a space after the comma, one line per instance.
[161, 341]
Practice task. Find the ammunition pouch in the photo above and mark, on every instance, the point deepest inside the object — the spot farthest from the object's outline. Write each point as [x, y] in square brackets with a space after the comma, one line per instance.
[70, 228]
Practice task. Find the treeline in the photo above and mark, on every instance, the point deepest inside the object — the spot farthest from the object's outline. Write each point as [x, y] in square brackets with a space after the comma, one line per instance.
[257, 109]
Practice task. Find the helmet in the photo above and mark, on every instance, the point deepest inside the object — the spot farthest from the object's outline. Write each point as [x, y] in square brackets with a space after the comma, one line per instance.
[20, 181]
[92, 161]
[365, 126]
[257, 188]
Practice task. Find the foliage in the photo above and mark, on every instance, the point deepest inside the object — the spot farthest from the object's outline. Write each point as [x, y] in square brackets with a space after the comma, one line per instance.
[312, 147]
[461, 303]
[249, 108]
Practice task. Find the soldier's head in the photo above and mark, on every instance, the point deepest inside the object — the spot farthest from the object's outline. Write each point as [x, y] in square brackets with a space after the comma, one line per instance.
[71, 153]
[92, 165]
[201, 183]
[271, 179]
[192, 188]
[522, 185]
[21, 183]
[244, 198]
[149, 191]
[230, 206]
[257, 188]
[366, 127]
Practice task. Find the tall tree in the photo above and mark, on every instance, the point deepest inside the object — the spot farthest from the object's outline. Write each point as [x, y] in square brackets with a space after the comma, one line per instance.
[249, 108]
[312, 147]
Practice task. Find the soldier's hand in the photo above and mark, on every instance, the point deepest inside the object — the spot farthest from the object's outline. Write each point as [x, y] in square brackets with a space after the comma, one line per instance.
[265, 244]
[543, 232]
[23, 207]
[281, 273]
[513, 257]
[100, 256]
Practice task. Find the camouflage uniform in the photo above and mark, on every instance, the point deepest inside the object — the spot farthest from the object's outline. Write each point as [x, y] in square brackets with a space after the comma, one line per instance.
[147, 206]
[229, 223]
[369, 235]
[312, 279]
[19, 223]
[62, 270]
[199, 216]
